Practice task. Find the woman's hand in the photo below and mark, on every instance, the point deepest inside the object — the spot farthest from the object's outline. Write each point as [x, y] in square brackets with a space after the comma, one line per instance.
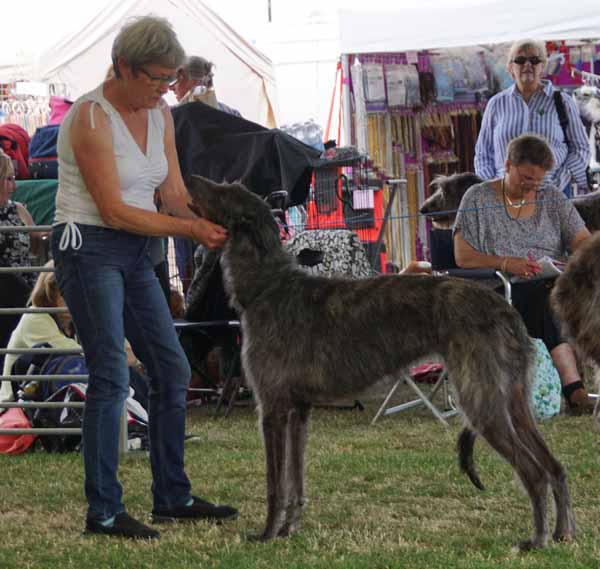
[417, 267]
[521, 267]
[210, 234]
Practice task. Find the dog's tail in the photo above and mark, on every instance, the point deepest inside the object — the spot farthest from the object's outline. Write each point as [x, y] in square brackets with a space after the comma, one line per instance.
[576, 298]
[466, 442]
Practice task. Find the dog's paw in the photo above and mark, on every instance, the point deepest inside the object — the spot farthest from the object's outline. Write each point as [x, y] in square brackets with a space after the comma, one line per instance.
[266, 535]
[563, 537]
[528, 545]
[288, 529]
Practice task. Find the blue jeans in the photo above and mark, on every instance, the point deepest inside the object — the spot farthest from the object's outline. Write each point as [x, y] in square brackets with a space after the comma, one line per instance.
[112, 292]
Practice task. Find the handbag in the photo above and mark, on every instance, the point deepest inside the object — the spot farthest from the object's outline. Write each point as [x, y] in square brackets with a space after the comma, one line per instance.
[15, 418]
[546, 389]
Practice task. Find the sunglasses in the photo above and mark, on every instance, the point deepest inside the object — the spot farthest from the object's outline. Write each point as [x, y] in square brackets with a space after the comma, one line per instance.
[9, 178]
[160, 79]
[521, 60]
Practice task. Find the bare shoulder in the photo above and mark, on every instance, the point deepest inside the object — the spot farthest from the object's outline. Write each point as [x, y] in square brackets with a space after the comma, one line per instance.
[166, 111]
[90, 116]
[90, 126]
[24, 214]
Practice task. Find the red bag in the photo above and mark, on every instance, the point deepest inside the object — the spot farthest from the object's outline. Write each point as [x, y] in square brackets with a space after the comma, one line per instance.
[14, 140]
[15, 418]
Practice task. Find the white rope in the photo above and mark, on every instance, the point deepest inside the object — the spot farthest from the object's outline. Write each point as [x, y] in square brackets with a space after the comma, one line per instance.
[70, 236]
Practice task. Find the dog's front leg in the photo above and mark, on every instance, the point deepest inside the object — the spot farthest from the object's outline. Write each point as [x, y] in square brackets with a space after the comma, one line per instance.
[296, 450]
[274, 432]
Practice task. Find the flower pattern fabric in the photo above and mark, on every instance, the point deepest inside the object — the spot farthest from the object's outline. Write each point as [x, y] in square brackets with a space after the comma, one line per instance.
[15, 246]
[546, 389]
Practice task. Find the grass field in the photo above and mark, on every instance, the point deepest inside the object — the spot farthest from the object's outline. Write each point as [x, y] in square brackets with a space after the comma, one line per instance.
[380, 496]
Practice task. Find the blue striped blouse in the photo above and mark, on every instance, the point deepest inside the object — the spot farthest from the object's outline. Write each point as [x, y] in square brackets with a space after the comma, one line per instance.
[507, 115]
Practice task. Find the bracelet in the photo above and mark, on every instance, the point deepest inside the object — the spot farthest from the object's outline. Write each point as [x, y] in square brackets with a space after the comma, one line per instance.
[191, 226]
[504, 264]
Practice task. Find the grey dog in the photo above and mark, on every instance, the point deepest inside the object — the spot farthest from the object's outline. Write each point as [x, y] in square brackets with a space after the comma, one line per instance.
[442, 205]
[310, 339]
[576, 300]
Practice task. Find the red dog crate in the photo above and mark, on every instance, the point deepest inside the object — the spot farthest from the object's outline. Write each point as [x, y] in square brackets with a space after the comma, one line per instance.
[348, 195]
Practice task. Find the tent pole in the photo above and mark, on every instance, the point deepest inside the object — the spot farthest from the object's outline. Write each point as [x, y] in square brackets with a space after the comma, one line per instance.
[346, 100]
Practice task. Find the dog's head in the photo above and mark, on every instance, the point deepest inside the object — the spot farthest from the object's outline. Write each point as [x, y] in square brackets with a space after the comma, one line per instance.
[443, 203]
[587, 99]
[234, 207]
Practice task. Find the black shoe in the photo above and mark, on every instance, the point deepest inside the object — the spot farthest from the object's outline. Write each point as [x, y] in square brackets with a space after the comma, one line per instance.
[198, 510]
[123, 526]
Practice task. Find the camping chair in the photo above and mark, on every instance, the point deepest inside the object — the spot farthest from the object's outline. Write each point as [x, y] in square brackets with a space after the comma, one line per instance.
[442, 263]
[231, 381]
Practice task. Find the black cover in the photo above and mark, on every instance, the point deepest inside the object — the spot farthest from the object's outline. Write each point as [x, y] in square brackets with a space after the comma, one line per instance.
[223, 147]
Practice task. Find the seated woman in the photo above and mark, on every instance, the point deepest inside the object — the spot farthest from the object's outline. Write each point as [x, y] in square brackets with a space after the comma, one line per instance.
[15, 250]
[15, 247]
[510, 222]
[55, 329]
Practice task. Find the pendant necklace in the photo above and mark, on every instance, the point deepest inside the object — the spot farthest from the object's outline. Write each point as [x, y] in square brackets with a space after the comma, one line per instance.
[516, 206]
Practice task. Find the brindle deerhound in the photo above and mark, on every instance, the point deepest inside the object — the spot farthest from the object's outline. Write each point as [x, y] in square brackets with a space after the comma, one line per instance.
[309, 339]
[576, 301]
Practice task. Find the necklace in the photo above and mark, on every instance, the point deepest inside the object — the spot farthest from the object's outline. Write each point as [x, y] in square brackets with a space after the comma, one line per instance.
[510, 203]
[518, 206]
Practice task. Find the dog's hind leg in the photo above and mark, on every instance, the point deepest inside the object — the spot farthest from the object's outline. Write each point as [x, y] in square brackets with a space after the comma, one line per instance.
[531, 438]
[274, 427]
[502, 438]
[296, 449]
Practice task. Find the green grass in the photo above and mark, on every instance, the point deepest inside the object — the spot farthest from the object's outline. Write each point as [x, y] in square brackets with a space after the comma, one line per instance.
[384, 496]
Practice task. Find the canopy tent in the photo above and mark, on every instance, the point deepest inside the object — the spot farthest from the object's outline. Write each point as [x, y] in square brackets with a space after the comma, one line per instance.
[382, 27]
[244, 78]
[429, 24]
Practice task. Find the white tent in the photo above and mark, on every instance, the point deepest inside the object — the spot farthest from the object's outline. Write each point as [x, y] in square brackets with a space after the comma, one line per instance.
[383, 26]
[244, 78]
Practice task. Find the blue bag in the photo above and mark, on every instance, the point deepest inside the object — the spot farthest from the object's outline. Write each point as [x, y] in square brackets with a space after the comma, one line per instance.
[43, 161]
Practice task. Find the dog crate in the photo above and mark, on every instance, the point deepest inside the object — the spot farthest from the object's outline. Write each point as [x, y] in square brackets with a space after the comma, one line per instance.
[347, 194]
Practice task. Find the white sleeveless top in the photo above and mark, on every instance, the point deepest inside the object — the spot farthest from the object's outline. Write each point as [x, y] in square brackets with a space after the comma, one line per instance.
[139, 174]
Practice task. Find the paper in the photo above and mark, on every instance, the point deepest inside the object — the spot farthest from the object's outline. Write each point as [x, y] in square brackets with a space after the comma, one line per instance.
[374, 82]
[549, 268]
[363, 199]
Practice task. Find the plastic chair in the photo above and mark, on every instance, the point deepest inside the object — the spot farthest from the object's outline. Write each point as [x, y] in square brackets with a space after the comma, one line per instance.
[442, 263]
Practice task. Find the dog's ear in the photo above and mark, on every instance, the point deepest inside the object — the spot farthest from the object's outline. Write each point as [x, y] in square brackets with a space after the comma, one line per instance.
[263, 233]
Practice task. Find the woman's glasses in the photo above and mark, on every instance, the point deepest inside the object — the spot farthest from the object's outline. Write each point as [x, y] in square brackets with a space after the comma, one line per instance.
[521, 60]
[8, 178]
[160, 79]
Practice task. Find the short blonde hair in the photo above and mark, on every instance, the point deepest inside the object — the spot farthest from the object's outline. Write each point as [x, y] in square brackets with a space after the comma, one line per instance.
[6, 165]
[527, 45]
[147, 40]
[45, 293]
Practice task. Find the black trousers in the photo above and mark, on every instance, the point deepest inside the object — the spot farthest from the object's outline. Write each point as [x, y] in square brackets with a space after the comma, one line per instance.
[532, 301]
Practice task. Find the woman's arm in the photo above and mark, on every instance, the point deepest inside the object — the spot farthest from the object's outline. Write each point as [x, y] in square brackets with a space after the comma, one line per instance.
[469, 258]
[485, 165]
[579, 238]
[94, 153]
[174, 194]
[37, 237]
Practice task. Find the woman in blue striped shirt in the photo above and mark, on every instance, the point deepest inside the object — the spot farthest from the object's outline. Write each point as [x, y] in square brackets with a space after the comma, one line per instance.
[529, 107]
